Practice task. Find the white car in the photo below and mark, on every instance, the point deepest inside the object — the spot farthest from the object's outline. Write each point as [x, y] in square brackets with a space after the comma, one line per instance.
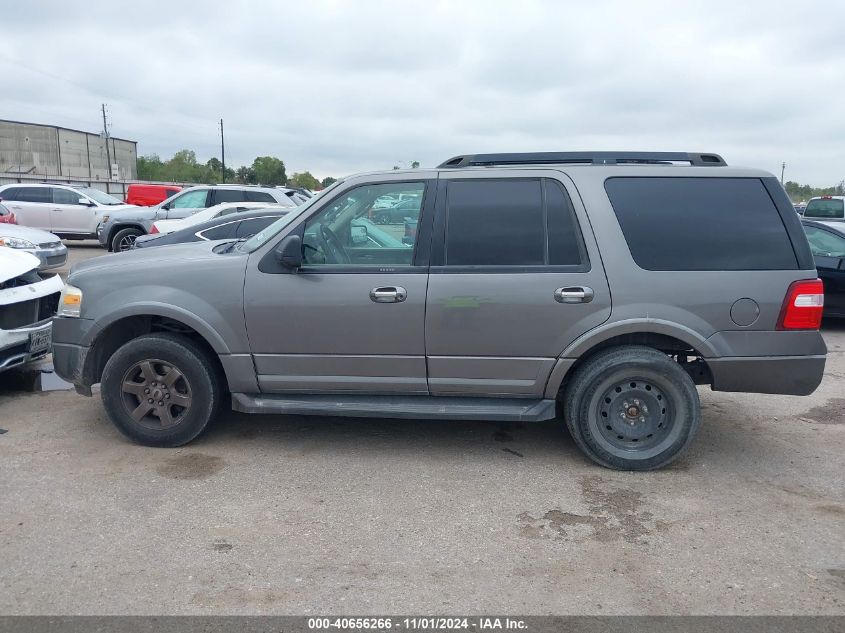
[65, 210]
[28, 303]
[48, 248]
[163, 227]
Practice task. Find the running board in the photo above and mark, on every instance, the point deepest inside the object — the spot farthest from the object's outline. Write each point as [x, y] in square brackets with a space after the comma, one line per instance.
[405, 407]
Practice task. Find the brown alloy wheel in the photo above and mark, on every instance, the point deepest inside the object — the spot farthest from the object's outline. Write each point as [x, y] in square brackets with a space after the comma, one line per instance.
[156, 394]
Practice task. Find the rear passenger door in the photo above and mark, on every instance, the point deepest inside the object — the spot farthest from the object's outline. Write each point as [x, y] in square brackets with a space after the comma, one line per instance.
[515, 277]
[31, 205]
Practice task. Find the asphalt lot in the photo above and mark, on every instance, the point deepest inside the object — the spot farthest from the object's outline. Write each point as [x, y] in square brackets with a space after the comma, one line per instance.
[273, 514]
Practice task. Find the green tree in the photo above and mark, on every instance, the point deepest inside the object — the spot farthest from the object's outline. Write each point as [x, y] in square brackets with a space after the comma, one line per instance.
[150, 167]
[415, 164]
[328, 181]
[269, 170]
[304, 180]
[245, 175]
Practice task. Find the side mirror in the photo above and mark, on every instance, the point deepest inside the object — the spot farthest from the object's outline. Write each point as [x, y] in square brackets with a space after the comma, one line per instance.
[289, 252]
[359, 234]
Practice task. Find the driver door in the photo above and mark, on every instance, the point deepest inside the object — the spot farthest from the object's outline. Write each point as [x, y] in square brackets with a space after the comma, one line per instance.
[351, 319]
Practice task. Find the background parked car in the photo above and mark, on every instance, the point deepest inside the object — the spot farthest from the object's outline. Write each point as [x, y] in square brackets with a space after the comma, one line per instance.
[237, 226]
[149, 195]
[827, 242]
[67, 211]
[28, 303]
[119, 230]
[217, 211]
[6, 215]
[48, 248]
[397, 214]
[826, 208]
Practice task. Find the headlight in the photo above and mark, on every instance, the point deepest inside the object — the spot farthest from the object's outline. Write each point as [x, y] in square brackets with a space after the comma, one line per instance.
[16, 242]
[70, 302]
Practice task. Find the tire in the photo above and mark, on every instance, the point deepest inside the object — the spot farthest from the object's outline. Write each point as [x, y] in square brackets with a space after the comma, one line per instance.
[631, 408]
[382, 218]
[124, 239]
[143, 363]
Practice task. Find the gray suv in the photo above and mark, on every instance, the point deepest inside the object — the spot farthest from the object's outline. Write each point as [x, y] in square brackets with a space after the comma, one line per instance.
[599, 288]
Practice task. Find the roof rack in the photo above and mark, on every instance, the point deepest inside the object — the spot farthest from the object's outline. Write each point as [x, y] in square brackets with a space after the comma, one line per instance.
[590, 158]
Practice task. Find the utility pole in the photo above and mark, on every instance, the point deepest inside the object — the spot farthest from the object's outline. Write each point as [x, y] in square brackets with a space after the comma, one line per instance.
[782, 169]
[222, 152]
[106, 137]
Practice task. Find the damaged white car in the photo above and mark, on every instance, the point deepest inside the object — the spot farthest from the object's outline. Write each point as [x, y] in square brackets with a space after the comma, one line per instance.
[28, 302]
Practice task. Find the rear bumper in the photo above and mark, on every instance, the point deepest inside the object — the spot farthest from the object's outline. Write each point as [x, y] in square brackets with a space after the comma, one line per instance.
[789, 375]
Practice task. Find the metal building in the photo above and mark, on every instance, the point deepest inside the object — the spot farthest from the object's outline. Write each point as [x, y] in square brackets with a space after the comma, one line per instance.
[50, 152]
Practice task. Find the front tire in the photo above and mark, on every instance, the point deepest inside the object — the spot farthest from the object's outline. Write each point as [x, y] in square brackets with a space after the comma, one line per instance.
[631, 408]
[124, 239]
[161, 389]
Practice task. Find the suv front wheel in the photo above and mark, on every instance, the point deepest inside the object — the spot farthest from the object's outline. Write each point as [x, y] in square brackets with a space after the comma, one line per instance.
[161, 389]
[631, 408]
[124, 239]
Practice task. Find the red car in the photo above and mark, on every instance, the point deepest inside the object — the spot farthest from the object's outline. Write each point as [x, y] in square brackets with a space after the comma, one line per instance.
[6, 216]
[150, 195]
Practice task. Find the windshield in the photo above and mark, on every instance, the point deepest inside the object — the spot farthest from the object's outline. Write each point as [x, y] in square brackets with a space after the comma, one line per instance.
[825, 208]
[98, 196]
[261, 238]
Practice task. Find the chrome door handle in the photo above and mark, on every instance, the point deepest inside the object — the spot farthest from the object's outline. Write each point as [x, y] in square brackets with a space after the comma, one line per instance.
[574, 294]
[388, 294]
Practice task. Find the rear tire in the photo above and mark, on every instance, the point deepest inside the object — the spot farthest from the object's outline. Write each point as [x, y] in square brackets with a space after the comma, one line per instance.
[124, 239]
[161, 389]
[631, 408]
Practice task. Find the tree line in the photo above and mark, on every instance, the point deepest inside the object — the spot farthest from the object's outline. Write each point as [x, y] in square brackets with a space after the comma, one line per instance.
[802, 193]
[184, 167]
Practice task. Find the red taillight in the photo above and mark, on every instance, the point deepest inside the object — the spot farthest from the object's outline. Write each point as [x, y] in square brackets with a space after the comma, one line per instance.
[802, 309]
[154, 229]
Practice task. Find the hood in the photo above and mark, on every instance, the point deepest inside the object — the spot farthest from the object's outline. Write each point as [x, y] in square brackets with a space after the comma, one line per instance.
[139, 259]
[36, 236]
[14, 263]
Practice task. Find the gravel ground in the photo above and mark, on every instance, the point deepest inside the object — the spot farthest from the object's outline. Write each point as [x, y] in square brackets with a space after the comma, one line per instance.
[276, 515]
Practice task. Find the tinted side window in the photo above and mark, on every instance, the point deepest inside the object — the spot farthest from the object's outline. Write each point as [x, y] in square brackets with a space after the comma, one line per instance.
[494, 223]
[250, 227]
[259, 196]
[565, 245]
[220, 232]
[230, 195]
[701, 224]
[824, 243]
[63, 196]
[35, 194]
[13, 193]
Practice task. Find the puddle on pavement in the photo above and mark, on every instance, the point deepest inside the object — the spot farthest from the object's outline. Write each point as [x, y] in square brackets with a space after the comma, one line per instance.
[32, 379]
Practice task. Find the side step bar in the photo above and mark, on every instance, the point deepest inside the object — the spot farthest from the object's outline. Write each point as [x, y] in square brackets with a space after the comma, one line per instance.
[404, 407]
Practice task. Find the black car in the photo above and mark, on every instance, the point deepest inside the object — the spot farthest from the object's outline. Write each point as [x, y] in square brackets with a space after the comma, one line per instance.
[827, 242]
[398, 213]
[234, 226]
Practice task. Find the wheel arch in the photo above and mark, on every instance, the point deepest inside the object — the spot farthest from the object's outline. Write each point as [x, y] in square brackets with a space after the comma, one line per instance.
[664, 336]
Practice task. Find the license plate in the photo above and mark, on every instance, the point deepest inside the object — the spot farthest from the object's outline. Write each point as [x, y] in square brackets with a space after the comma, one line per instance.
[39, 341]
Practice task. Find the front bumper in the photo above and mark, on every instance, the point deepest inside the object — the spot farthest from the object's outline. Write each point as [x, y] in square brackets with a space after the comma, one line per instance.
[70, 354]
[18, 346]
[102, 235]
[50, 257]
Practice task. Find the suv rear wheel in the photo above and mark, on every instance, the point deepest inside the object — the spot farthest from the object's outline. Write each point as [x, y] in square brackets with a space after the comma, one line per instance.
[631, 408]
[161, 389]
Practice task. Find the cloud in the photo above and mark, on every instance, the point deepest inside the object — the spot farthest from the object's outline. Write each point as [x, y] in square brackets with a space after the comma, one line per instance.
[338, 87]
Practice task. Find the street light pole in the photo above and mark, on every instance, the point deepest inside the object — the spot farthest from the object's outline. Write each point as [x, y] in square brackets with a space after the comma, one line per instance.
[782, 169]
[222, 152]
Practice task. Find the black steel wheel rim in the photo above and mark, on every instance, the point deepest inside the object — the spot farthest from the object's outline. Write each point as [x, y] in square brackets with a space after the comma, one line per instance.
[156, 394]
[126, 242]
[634, 416]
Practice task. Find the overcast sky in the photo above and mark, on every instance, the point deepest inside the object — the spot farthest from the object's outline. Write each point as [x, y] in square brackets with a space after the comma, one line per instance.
[340, 87]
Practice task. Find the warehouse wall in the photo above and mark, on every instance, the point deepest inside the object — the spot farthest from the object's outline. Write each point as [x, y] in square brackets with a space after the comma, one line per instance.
[48, 151]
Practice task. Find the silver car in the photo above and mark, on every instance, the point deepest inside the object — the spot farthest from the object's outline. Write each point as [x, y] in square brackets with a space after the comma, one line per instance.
[48, 248]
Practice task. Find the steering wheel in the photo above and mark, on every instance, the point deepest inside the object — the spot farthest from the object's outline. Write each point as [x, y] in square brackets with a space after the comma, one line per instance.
[333, 245]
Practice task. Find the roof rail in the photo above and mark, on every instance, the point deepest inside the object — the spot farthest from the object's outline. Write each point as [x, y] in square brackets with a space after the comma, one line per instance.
[590, 158]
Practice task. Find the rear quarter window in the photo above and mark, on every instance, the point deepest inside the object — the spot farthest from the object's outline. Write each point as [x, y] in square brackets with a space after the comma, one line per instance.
[701, 224]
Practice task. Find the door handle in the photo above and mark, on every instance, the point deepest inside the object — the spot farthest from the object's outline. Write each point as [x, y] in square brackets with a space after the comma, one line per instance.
[574, 294]
[388, 294]
[57, 210]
